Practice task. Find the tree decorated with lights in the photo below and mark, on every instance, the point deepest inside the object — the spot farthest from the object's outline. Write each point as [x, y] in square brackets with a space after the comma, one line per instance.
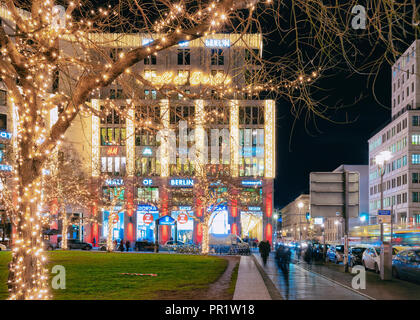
[66, 188]
[34, 33]
[113, 201]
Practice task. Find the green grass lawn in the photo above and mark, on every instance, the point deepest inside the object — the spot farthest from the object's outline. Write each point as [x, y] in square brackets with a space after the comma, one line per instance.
[96, 275]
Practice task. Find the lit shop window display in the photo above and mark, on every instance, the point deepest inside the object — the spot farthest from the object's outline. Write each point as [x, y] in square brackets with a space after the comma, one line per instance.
[146, 217]
[117, 230]
[219, 221]
[252, 223]
[185, 224]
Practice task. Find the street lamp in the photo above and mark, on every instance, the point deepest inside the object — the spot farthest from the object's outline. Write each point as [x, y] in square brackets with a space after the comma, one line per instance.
[300, 206]
[386, 262]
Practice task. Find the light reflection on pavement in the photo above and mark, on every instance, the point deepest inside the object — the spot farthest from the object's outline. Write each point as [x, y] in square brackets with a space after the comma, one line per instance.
[301, 284]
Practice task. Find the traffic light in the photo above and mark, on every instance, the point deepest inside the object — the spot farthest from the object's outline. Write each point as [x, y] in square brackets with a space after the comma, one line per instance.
[308, 216]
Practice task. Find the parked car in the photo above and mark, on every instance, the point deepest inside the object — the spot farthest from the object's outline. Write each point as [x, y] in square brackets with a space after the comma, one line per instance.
[356, 255]
[77, 244]
[144, 246]
[335, 253]
[172, 245]
[372, 259]
[406, 265]
[2, 247]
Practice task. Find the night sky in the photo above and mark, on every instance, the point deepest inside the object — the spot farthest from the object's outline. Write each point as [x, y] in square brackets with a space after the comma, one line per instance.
[327, 145]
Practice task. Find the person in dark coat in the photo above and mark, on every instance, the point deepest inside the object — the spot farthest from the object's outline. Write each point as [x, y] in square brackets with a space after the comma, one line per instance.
[121, 245]
[127, 245]
[265, 249]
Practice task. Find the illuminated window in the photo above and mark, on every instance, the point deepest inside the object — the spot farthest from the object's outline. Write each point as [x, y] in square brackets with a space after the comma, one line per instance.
[148, 194]
[415, 139]
[150, 94]
[113, 165]
[147, 166]
[415, 158]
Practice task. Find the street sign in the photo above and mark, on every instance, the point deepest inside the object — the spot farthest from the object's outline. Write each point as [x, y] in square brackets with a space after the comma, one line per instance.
[384, 216]
[166, 220]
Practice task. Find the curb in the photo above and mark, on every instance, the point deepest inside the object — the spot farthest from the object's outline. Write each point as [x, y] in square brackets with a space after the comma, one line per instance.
[271, 288]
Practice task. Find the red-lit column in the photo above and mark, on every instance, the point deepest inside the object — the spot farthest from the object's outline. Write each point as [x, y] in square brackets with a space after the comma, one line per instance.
[235, 224]
[93, 233]
[198, 227]
[129, 212]
[164, 231]
[268, 212]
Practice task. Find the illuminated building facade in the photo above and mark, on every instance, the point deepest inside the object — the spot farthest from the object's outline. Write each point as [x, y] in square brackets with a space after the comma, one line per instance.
[401, 137]
[159, 182]
[133, 146]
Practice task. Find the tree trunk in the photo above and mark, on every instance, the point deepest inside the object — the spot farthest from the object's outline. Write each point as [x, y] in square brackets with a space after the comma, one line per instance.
[206, 240]
[64, 231]
[28, 279]
[109, 242]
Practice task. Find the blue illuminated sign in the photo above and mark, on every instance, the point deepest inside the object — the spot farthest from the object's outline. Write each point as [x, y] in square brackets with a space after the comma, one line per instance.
[184, 43]
[1, 155]
[114, 182]
[147, 151]
[5, 167]
[147, 208]
[217, 43]
[254, 208]
[5, 135]
[145, 42]
[181, 182]
[166, 220]
[147, 182]
[252, 183]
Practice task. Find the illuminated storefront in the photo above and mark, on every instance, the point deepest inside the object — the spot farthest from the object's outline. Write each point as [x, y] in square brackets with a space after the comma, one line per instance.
[146, 216]
[118, 228]
[138, 157]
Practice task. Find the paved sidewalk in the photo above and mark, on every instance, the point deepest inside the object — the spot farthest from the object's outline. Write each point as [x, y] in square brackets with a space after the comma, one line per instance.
[301, 284]
[250, 284]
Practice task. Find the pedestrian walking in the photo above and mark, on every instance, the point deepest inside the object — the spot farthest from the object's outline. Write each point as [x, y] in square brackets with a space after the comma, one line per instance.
[115, 244]
[127, 245]
[297, 251]
[308, 254]
[265, 249]
[121, 245]
[94, 241]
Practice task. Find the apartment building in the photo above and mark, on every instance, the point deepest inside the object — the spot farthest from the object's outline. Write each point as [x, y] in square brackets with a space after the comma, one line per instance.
[401, 137]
